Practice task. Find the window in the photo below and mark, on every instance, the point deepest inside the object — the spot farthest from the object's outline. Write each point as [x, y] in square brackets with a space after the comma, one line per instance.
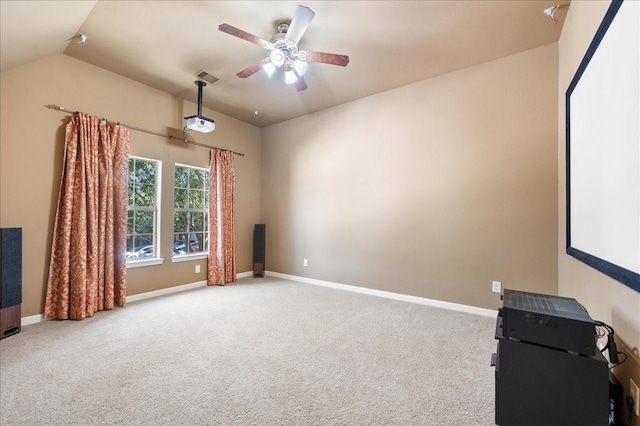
[143, 216]
[191, 211]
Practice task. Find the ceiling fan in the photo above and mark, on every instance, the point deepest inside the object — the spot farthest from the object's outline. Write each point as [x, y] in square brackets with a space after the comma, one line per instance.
[285, 53]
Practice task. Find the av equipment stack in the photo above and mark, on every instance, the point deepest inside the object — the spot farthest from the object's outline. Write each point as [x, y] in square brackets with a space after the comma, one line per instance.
[10, 281]
[548, 370]
[259, 248]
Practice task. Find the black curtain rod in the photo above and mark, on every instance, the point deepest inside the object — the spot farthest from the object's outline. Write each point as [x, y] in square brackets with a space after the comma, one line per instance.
[60, 108]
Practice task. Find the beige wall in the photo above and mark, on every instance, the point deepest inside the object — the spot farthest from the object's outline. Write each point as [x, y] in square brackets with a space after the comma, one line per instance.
[32, 143]
[605, 299]
[433, 189]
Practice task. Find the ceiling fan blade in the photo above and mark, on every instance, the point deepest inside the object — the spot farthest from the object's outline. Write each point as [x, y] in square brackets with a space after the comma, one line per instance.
[327, 58]
[301, 84]
[299, 24]
[252, 69]
[229, 29]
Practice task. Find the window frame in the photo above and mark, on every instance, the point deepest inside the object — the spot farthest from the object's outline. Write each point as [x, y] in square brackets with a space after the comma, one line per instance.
[204, 252]
[157, 258]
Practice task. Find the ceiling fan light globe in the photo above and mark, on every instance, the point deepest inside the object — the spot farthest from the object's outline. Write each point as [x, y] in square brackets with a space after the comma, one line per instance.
[277, 57]
[290, 76]
[269, 69]
[300, 67]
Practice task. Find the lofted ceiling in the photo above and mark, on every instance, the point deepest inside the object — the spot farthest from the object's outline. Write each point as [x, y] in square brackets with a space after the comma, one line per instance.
[164, 44]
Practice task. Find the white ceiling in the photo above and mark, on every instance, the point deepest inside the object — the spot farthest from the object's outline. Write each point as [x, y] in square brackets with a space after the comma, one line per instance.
[165, 43]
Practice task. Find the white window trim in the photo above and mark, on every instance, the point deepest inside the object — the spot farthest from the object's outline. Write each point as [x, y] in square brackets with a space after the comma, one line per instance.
[138, 263]
[190, 256]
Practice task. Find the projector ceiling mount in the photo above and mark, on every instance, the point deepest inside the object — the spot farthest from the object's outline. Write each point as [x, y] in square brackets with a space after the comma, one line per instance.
[285, 53]
[198, 122]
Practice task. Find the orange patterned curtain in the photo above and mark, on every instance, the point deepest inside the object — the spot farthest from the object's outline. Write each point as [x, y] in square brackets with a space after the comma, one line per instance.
[87, 271]
[221, 263]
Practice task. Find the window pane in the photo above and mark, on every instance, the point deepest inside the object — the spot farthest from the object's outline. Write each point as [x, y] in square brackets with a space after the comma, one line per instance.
[129, 242]
[145, 171]
[180, 221]
[143, 240]
[196, 199]
[197, 222]
[130, 215]
[131, 194]
[182, 177]
[179, 243]
[196, 243]
[181, 198]
[131, 167]
[196, 179]
[146, 196]
[143, 222]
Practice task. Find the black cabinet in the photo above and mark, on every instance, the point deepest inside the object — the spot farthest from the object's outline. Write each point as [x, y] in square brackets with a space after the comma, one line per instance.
[538, 385]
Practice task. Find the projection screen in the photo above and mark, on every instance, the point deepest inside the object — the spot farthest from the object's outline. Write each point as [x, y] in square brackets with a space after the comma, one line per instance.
[603, 149]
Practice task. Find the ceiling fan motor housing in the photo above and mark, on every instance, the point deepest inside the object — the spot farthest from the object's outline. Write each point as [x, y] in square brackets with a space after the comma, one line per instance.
[287, 47]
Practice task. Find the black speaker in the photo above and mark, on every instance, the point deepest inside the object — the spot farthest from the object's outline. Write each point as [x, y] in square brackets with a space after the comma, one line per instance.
[10, 280]
[259, 240]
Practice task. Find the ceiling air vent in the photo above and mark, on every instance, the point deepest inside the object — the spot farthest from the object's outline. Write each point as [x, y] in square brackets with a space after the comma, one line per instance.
[205, 76]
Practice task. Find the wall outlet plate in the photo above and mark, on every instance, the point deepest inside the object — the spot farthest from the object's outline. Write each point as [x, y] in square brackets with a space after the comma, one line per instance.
[496, 287]
[634, 392]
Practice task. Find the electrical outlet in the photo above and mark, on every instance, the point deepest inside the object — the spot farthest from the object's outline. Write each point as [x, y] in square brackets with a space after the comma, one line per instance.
[305, 262]
[634, 392]
[496, 286]
[197, 269]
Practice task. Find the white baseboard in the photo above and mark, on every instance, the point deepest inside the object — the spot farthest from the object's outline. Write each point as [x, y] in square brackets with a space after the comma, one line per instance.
[389, 295]
[33, 319]
[247, 274]
[176, 289]
[165, 291]
[142, 296]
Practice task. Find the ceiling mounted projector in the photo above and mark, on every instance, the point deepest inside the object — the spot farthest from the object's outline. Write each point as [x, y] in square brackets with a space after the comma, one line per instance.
[199, 123]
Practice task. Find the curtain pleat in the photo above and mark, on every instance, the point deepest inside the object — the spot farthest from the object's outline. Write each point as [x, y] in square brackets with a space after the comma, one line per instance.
[87, 270]
[221, 262]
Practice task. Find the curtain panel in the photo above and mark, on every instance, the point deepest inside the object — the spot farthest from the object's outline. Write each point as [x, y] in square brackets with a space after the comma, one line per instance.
[221, 262]
[87, 269]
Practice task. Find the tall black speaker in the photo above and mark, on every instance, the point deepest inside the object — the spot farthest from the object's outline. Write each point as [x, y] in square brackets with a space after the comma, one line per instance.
[10, 281]
[259, 240]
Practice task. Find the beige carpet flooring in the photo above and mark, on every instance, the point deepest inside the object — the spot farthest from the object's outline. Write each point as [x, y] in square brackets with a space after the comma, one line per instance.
[258, 352]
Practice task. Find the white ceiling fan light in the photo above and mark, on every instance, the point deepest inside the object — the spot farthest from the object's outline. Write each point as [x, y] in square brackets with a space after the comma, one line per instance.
[268, 68]
[300, 67]
[277, 57]
[290, 76]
